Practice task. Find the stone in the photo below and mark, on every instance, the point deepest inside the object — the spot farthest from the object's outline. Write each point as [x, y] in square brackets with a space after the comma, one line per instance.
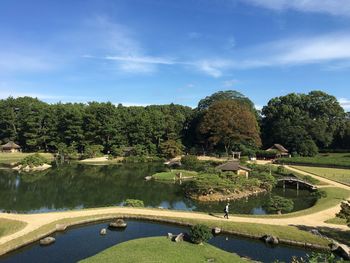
[315, 232]
[148, 178]
[170, 236]
[103, 231]
[120, 223]
[216, 230]
[340, 249]
[47, 241]
[179, 238]
[272, 240]
[61, 227]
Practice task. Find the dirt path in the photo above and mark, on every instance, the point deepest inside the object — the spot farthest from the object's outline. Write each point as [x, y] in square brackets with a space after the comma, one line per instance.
[35, 221]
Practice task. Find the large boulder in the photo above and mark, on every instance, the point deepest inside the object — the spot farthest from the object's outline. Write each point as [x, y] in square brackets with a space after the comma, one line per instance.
[179, 237]
[47, 241]
[271, 240]
[119, 223]
[341, 250]
[216, 230]
[61, 227]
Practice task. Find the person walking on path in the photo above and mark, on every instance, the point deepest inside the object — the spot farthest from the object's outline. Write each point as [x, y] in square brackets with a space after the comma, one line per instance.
[226, 210]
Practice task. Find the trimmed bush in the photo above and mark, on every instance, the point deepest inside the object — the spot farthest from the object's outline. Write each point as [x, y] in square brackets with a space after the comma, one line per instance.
[134, 203]
[33, 160]
[200, 233]
[279, 204]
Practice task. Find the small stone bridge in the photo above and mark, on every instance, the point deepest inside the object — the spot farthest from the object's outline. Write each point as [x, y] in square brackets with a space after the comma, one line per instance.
[297, 181]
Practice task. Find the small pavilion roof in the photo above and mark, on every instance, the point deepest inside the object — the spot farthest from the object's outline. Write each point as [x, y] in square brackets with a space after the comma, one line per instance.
[232, 166]
[11, 145]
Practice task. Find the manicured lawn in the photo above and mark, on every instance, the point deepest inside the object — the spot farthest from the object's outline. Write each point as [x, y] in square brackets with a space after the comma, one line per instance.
[8, 226]
[339, 175]
[169, 176]
[341, 160]
[7, 158]
[336, 220]
[334, 196]
[161, 249]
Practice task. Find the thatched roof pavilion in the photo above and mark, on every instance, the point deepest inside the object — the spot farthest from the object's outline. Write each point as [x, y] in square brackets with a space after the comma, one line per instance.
[280, 148]
[10, 147]
[232, 166]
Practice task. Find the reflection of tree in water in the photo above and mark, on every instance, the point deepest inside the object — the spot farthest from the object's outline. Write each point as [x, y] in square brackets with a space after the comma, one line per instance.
[72, 186]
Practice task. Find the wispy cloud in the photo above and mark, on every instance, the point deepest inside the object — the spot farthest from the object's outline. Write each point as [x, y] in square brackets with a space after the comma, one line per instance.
[333, 7]
[345, 103]
[229, 83]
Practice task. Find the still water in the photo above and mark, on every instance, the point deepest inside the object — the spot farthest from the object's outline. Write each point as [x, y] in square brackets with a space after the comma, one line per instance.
[82, 242]
[79, 186]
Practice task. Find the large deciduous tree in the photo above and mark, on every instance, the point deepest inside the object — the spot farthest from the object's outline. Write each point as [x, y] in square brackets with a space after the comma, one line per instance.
[228, 123]
[302, 121]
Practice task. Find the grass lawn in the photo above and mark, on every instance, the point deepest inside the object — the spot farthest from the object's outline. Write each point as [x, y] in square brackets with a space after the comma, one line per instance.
[336, 220]
[169, 176]
[7, 158]
[8, 226]
[161, 249]
[334, 196]
[335, 174]
[341, 160]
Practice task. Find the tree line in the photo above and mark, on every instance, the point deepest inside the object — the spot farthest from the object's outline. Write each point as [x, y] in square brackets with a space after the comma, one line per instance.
[222, 122]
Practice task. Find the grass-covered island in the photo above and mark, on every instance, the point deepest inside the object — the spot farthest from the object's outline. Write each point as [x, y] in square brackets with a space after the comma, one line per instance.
[175, 174]
[33, 162]
[161, 249]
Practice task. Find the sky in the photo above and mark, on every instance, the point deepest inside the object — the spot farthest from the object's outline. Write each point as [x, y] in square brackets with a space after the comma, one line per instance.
[142, 52]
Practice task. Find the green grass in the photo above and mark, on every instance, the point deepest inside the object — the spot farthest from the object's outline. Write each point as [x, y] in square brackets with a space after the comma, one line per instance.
[8, 158]
[161, 249]
[336, 221]
[169, 176]
[334, 196]
[338, 175]
[341, 160]
[8, 226]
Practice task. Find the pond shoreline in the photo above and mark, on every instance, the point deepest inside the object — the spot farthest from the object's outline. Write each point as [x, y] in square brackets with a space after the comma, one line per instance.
[219, 197]
[158, 219]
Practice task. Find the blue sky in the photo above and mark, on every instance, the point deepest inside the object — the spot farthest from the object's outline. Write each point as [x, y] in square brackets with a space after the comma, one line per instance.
[140, 52]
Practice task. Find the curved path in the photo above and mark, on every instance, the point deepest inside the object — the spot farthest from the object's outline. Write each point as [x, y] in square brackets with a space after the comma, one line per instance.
[35, 221]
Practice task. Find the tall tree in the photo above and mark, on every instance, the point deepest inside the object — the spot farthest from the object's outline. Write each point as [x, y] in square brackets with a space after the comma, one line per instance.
[228, 123]
[296, 118]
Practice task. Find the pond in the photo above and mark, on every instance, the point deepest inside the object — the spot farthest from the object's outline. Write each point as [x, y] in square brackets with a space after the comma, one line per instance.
[77, 186]
[82, 242]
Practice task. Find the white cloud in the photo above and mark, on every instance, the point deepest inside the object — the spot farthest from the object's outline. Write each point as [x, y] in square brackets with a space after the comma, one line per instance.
[6, 94]
[131, 104]
[212, 67]
[345, 103]
[229, 83]
[333, 7]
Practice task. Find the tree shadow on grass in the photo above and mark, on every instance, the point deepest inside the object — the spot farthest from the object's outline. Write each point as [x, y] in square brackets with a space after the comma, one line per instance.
[340, 235]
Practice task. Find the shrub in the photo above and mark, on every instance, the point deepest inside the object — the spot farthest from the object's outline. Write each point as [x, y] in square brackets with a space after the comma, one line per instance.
[279, 204]
[190, 162]
[171, 148]
[200, 233]
[307, 148]
[92, 151]
[134, 203]
[117, 151]
[345, 211]
[33, 160]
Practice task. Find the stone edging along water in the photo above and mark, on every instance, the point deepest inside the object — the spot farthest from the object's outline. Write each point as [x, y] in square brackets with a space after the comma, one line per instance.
[152, 219]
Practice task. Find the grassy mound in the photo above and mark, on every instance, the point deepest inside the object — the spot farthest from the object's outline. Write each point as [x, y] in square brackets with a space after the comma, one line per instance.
[160, 249]
[169, 176]
[8, 226]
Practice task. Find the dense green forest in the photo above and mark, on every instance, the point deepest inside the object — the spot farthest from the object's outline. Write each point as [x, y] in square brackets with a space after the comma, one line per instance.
[222, 122]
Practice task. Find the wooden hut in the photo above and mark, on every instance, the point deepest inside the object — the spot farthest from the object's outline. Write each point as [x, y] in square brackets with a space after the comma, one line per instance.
[10, 147]
[280, 149]
[234, 166]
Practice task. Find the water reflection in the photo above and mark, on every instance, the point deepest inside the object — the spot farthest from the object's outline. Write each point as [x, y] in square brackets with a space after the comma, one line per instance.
[78, 186]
